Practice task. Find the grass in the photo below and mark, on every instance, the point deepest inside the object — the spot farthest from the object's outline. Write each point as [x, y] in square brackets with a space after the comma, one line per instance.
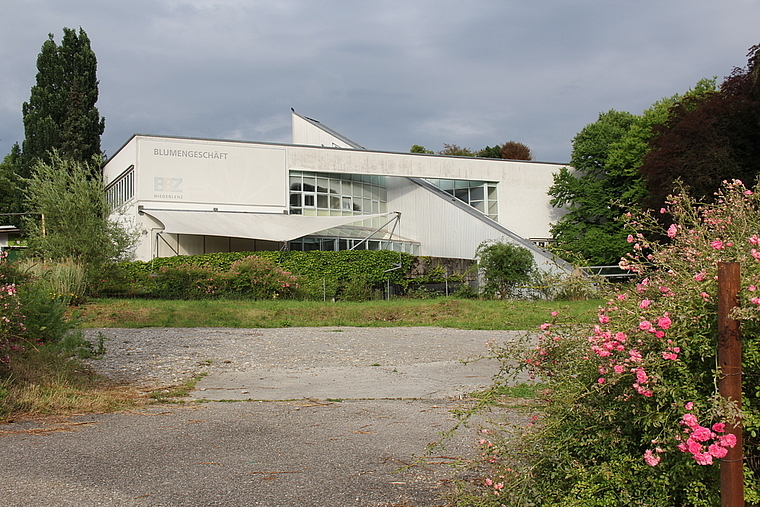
[170, 395]
[442, 312]
[43, 381]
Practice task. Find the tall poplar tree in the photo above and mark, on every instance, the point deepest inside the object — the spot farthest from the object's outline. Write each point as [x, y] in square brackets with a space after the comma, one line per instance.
[61, 113]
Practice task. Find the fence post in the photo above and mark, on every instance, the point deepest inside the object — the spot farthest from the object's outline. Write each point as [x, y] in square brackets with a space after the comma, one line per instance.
[730, 384]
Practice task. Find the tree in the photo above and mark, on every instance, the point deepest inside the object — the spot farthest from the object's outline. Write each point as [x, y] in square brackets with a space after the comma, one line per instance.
[455, 150]
[490, 152]
[10, 197]
[513, 150]
[708, 138]
[76, 216]
[416, 148]
[589, 232]
[607, 157]
[61, 113]
[504, 266]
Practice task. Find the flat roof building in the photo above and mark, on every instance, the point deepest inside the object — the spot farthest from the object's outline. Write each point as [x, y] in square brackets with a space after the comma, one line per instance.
[192, 196]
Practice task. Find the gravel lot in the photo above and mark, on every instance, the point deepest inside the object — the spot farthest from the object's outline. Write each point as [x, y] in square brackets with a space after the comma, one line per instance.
[156, 357]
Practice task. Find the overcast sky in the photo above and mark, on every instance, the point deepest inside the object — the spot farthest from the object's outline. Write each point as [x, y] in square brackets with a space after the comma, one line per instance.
[387, 74]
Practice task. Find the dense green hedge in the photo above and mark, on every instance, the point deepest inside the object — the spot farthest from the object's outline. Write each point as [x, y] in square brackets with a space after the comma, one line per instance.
[344, 274]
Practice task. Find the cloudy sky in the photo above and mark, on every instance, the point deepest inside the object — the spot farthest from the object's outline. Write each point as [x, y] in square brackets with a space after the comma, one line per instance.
[385, 73]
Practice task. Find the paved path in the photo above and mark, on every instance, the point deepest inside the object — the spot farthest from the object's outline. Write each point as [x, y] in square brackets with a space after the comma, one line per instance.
[301, 452]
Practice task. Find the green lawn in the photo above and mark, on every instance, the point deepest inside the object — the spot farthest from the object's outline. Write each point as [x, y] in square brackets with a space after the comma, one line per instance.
[443, 312]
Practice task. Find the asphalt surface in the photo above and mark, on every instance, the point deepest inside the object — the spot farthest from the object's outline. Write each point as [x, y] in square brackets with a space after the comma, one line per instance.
[345, 434]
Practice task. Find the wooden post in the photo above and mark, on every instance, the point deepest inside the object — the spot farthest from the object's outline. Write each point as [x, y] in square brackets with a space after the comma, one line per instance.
[730, 384]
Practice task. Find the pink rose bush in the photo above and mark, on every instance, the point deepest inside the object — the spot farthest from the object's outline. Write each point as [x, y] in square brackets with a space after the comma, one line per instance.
[613, 420]
[13, 329]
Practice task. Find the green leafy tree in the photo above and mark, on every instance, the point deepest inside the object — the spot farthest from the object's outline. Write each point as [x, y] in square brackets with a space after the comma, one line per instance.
[504, 266]
[490, 152]
[11, 200]
[456, 150]
[76, 222]
[61, 112]
[606, 181]
[416, 148]
[589, 232]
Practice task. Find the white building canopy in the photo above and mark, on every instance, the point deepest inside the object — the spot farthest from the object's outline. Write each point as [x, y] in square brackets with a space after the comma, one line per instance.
[264, 226]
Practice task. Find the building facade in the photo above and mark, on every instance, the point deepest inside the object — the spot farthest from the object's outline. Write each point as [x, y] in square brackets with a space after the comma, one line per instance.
[192, 196]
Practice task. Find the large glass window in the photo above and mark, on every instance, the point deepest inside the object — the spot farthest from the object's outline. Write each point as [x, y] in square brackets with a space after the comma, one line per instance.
[330, 194]
[481, 195]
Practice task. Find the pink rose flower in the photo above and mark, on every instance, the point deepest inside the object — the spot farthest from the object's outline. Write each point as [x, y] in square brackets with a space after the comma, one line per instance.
[645, 304]
[719, 427]
[689, 406]
[717, 244]
[704, 458]
[693, 446]
[672, 231]
[690, 420]
[644, 325]
[702, 434]
[717, 451]
[727, 440]
[664, 322]
[650, 458]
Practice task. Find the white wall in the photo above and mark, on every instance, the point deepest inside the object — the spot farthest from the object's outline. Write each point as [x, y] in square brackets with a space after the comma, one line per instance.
[442, 229]
[311, 135]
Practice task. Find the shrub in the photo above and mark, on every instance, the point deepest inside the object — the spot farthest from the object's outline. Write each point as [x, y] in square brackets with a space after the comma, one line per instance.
[76, 216]
[504, 266]
[29, 311]
[320, 275]
[185, 282]
[633, 416]
[259, 278]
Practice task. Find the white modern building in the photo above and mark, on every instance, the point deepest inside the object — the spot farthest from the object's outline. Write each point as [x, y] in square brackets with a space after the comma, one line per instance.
[324, 191]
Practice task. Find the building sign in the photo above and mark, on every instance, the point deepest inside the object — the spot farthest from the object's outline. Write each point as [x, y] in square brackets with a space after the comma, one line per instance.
[213, 155]
[167, 188]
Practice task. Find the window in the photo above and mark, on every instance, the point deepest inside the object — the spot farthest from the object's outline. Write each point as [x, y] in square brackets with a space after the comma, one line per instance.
[332, 194]
[481, 195]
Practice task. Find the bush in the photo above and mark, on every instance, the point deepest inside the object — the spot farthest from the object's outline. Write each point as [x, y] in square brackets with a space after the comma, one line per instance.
[259, 278]
[504, 266]
[185, 282]
[30, 312]
[318, 275]
[633, 416]
[76, 216]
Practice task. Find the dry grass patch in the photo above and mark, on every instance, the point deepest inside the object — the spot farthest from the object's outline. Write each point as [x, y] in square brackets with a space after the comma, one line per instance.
[42, 382]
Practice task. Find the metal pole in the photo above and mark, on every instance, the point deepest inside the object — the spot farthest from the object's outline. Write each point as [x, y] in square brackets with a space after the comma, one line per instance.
[730, 384]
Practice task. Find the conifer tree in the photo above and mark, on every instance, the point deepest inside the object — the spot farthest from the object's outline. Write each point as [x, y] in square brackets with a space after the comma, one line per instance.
[61, 112]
